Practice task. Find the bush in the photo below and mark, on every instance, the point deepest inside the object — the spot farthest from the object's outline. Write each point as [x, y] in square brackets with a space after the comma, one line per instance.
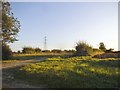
[6, 52]
[83, 49]
[46, 51]
[56, 51]
[18, 52]
[69, 51]
[97, 51]
[37, 50]
[28, 50]
[108, 55]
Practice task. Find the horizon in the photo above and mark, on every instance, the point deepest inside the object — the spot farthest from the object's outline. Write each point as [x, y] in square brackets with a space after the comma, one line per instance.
[65, 23]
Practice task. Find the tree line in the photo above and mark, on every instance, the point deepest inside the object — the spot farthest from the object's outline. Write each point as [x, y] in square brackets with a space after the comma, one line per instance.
[30, 50]
[82, 48]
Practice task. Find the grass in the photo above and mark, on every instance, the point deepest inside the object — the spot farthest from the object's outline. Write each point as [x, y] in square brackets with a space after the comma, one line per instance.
[34, 56]
[74, 72]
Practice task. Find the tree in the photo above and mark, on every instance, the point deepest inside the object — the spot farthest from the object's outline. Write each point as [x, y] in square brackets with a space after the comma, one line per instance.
[6, 52]
[102, 46]
[9, 30]
[10, 24]
[83, 49]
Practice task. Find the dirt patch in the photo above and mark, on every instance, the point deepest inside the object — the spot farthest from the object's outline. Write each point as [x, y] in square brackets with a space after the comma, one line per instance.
[8, 80]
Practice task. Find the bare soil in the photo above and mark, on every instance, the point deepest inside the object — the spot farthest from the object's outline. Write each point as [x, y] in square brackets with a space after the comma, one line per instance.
[8, 80]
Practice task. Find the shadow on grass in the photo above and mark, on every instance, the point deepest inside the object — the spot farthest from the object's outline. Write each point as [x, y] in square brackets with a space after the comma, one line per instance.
[72, 79]
[105, 63]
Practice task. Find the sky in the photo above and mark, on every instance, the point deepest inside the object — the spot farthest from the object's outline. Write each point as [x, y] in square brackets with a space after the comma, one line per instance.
[63, 0]
[65, 23]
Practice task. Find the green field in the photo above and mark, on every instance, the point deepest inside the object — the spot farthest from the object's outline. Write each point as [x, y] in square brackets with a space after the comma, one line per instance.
[74, 72]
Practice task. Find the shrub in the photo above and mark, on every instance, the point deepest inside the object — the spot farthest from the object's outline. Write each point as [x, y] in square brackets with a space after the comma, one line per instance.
[56, 51]
[46, 51]
[107, 55]
[83, 49]
[6, 52]
[28, 50]
[97, 51]
[69, 51]
[18, 52]
[109, 50]
[37, 50]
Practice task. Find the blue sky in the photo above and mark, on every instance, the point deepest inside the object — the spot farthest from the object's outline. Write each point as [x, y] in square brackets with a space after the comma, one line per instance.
[66, 23]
